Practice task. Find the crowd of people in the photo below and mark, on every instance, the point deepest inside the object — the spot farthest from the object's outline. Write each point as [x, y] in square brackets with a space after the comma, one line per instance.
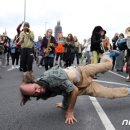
[70, 66]
[64, 51]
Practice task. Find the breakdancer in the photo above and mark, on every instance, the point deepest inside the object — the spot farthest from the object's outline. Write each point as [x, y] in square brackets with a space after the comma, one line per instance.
[70, 82]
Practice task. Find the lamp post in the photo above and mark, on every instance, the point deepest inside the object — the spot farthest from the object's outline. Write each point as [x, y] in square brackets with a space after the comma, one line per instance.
[45, 25]
[24, 10]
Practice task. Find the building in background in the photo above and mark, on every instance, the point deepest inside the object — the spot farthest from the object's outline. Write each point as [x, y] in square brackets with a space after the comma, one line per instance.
[58, 29]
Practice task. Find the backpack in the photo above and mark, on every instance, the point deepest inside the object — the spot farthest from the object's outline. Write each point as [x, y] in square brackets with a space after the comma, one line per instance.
[121, 44]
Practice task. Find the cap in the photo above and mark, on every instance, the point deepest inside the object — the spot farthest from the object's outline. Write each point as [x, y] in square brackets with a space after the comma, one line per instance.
[26, 24]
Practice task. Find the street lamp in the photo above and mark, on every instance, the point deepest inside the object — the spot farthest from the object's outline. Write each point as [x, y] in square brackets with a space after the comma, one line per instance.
[24, 10]
[45, 25]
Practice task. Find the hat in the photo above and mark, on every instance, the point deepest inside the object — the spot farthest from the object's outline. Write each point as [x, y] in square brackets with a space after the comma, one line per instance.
[26, 24]
[127, 31]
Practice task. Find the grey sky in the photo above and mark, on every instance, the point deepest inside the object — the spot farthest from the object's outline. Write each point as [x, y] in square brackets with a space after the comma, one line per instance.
[78, 17]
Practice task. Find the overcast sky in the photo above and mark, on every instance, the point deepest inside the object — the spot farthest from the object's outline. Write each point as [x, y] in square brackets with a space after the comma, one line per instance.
[78, 17]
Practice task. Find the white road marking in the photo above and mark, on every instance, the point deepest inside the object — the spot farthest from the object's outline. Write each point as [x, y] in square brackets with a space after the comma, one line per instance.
[100, 81]
[117, 74]
[105, 120]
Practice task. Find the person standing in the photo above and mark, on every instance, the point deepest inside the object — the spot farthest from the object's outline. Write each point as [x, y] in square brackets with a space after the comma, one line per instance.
[48, 47]
[39, 53]
[2, 49]
[120, 59]
[114, 47]
[27, 40]
[59, 50]
[77, 49]
[96, 46]
[69, 45]
[6, 40]
[16, 38]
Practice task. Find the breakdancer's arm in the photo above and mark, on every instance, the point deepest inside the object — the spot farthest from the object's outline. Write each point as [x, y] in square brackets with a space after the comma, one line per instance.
[69, 118]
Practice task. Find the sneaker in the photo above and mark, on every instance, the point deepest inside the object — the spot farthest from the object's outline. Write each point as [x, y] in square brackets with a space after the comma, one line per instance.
[113, 53]
[127, 76]
[12, 68]
[40, 66]
[17, 66]
[128, 80]
[20, 69]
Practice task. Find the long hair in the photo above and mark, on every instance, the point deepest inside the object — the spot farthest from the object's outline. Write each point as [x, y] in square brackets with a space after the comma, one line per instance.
[28, 77]
[75, 39]
[96, 31]
[24, 97]
[48, 31]
[71, 39]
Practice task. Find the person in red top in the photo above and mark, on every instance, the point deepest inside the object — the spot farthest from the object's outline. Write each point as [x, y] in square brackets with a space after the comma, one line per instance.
[59, 49]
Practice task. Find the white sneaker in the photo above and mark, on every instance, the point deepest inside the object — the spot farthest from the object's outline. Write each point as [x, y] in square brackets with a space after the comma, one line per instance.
[11, 68]
[40, 66]
[17, 66]
[127, 76]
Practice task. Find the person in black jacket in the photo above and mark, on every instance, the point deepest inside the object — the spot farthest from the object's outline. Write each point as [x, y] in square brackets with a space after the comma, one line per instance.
[48, 47]
[96, 46]
[69, 47]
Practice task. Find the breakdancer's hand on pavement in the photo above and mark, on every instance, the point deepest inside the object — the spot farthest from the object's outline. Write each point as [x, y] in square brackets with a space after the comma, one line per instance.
[69, 118]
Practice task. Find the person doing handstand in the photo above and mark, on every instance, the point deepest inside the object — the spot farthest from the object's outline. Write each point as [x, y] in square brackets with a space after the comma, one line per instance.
[70, 82]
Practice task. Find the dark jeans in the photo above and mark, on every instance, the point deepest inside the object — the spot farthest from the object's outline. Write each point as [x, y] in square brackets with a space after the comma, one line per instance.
[67, 59]
[114, 61]
[41, 61]
[27, 59]
[77, 57]
[72, 57]
[59, 55]
[8, 55]
[128, 60]
[15, 56]
[48, 62]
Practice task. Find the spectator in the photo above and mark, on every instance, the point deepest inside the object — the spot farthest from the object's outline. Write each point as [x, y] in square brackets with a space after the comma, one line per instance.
[59, 49]
[120, 59]
[68, 50]
[27, 43]
[114, 47]
[2, 49]
[77, 49]
[48, 46]
[39, 52]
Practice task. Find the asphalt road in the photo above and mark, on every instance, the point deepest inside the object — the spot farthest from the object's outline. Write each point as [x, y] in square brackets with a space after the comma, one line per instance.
[43, 115]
